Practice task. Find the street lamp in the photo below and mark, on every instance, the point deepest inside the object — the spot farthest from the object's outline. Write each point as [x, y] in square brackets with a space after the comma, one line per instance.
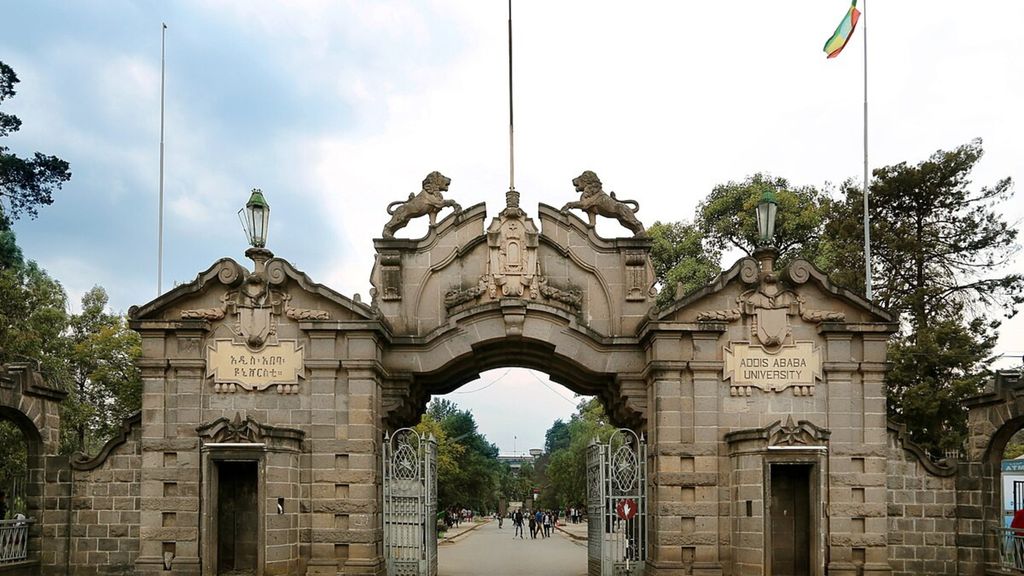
[254, 218]
[766, 210]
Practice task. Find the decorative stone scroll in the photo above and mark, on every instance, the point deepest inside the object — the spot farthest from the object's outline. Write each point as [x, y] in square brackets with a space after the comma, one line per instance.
[390, 275]
[636, 276]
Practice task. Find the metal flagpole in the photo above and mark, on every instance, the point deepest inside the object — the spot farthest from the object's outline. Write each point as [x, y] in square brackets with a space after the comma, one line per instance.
[511, 133]
[867, 173]
[160, 225]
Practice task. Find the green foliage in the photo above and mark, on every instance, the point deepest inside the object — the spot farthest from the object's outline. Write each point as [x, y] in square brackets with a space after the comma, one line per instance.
[13, 459]
[557, 437]
[25, 183]
[682, 262]
[727, 218]
[567, 466]
[106, 382]
[938, 250]
[468, 469]
[32, 316]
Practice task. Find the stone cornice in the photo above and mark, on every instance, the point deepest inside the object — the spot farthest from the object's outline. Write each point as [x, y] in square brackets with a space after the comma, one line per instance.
[227, 272]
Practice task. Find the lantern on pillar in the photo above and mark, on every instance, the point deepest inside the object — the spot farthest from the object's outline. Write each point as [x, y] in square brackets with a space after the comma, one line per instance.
[766, 210]
[255, 218]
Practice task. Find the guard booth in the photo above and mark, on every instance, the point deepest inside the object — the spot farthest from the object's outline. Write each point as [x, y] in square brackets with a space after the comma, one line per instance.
[617, 505]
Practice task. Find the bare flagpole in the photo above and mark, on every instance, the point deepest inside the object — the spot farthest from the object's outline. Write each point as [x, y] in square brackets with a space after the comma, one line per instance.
[160, 226]
[867, 172]
[511, 132]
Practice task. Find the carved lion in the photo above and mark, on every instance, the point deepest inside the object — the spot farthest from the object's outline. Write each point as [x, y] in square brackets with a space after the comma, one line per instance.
[428, 202]
[595, 201]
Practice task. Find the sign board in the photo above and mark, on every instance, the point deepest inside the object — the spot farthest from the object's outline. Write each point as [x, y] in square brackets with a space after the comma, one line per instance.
[229, 362]
[751, 365]
[1013, 466]
[626, 508]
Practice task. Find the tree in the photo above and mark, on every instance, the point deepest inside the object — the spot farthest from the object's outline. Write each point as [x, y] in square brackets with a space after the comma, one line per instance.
[727, 221]
[567, 466]
[682, 262]
[33, 315]
[939, 248]
[106, 382]
[472, 479]
[25, 183]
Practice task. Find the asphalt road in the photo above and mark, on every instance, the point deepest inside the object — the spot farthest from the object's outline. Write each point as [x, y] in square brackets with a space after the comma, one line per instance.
[489, 551]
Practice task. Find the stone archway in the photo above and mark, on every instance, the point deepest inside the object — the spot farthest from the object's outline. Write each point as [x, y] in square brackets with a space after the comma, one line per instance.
[993, 418]
[33, 407]
[250, 352]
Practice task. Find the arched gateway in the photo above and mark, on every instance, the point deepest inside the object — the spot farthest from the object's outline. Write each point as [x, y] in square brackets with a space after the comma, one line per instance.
[271, 405]
[760, 396]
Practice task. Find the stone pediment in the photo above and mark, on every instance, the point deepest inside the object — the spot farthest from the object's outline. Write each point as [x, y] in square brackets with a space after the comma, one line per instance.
[228, 288]
[464, 263]
[799, 291]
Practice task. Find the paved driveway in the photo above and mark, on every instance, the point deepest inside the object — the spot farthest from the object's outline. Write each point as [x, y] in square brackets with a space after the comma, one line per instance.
[489, 551]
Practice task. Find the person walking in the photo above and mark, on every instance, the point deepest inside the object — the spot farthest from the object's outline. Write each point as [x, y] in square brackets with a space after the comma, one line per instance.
[517, 521]
[547, 524]
[533, 526]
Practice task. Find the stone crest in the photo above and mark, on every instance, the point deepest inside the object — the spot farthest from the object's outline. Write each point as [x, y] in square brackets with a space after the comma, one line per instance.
[771, 361]
[513, 269]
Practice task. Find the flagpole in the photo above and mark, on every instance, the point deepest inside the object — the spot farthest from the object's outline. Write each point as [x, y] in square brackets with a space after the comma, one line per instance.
[867, 172]
[160, 225]
[511, 133]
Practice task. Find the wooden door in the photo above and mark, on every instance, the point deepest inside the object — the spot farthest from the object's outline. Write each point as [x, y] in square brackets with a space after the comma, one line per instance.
[237, 517]
[790, 520]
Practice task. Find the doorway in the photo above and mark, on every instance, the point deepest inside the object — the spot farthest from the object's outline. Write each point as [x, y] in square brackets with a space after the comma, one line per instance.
[237, 517]
[790, 519]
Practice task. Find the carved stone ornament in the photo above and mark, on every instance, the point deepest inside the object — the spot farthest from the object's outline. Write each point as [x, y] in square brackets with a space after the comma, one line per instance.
[513, 269]
[772, 361]
[791, 433]
[770, 306]
[302, 314]
[428, 202]
[248, 431]
[596, 202]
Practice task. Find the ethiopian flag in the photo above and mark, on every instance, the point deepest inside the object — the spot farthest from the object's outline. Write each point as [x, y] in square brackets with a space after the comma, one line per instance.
[841, 36]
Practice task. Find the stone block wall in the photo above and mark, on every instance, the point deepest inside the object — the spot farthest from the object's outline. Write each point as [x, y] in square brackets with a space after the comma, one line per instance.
[104, 516]
[922, 511]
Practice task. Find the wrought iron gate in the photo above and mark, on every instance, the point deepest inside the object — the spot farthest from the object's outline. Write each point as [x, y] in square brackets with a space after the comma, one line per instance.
[410, 503]
[617, 505]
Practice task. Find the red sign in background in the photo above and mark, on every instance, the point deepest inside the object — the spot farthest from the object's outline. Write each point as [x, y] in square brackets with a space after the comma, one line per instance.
[626, 509]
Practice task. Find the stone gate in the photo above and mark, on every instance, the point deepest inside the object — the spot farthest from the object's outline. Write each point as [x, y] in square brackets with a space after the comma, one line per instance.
[267, 396]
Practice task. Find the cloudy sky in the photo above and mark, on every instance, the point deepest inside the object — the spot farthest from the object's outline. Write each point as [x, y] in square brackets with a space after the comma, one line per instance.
[335, 109]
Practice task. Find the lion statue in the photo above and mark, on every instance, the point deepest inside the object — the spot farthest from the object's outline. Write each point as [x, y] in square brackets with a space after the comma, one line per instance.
[429, 202]
[595, 201]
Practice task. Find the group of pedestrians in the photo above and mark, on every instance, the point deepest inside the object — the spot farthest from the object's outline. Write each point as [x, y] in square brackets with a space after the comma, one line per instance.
[540, 522]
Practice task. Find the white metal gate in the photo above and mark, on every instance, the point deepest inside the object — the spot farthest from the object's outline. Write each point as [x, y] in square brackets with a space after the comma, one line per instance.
[617, 505]
[410, 503]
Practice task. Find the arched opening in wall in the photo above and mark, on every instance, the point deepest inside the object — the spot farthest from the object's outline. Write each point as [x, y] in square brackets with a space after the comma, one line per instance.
[21, 480]
[512, 479]
[1002, 484]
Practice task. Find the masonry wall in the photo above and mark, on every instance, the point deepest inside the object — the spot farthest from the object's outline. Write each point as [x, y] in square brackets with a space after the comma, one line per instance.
[104, 518]
[922, 512]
